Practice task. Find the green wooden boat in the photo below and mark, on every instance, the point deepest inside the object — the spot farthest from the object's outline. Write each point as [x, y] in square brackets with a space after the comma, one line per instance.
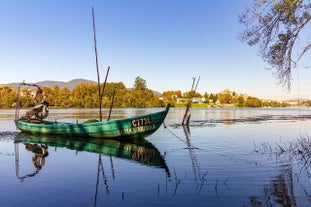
[134, 127]
[140, 150]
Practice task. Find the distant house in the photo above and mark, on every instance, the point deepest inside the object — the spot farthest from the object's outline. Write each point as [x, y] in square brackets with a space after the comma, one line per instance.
[293, 102]
[194, 100]
[163, 98]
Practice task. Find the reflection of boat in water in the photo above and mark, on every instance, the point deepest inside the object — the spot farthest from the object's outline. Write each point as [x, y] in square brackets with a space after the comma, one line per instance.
[141, 151]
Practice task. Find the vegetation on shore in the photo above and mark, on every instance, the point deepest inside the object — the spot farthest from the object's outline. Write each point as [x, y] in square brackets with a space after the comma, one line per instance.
[85, 95]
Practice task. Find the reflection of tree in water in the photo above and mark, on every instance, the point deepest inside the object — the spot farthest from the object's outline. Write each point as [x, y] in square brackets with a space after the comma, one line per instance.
[280, 190]
[301, 151]
[40, 152]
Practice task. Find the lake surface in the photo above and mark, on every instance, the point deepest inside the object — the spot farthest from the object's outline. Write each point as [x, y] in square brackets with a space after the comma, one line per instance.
[227, 157]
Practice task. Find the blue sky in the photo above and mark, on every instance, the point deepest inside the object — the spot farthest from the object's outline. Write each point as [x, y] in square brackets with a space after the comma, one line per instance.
[165, 42]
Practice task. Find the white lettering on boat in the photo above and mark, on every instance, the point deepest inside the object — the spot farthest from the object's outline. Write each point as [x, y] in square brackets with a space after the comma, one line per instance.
[129, 131]
[141, 122]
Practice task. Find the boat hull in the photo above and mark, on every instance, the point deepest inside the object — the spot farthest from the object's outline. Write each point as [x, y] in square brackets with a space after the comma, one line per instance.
[135, 127]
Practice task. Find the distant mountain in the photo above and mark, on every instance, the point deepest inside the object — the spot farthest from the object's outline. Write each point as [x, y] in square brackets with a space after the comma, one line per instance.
[61, 84]
[48, 83]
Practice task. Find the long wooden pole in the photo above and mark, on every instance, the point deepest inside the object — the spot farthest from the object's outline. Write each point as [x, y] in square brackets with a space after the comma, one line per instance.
[98, 78]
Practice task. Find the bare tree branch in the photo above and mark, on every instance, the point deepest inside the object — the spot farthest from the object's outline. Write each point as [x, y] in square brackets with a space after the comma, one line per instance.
[275, 25]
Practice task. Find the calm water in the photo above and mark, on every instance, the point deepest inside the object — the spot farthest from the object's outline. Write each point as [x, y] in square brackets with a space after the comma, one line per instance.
[229, 157]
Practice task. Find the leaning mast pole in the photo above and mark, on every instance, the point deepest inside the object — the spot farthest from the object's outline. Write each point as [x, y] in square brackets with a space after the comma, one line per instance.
[98, 78]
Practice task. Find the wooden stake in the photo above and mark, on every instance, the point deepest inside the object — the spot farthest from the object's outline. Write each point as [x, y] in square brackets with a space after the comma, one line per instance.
[111, 105]
[186, 118]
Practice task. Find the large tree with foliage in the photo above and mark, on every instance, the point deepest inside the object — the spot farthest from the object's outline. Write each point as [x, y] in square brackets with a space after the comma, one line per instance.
[119, 91]
[142, 97]
[275, 26]
[225, 97]
[140, 84]
[7, 97]
[84, 95]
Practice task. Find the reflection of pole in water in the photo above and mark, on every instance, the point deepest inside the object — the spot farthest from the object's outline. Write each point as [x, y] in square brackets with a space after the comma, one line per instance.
[104, 176]
[191, 153]
[97, 182]
[199, 178]
[112, 168]
[16, 149]
[195, 166]
[100, 167]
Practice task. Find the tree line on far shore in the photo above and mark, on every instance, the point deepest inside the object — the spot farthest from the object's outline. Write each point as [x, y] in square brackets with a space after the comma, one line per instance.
[85, 95]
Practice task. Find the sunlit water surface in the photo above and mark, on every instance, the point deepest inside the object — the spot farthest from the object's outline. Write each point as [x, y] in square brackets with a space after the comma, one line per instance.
[227, 157]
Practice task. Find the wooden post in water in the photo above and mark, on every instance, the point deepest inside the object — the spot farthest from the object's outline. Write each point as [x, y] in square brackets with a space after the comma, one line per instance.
[194, 86]
[184, 121]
